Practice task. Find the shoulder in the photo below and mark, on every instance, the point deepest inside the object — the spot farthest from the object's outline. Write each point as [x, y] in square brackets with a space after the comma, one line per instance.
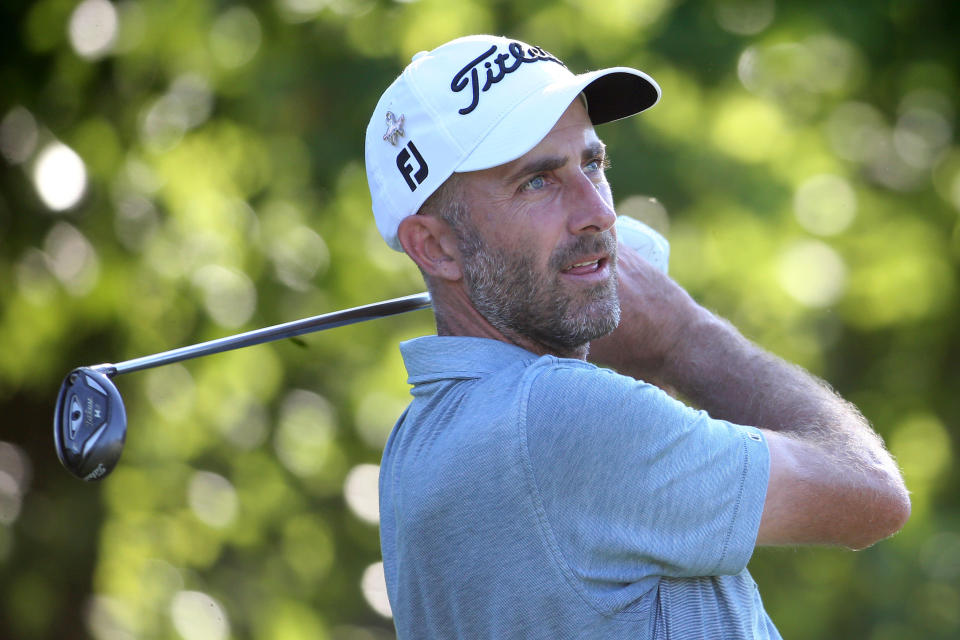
[585, 392]
[549, 371]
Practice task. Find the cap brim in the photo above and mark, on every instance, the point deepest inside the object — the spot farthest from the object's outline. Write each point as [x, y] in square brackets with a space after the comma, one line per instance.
[612, 94]
[619, 93]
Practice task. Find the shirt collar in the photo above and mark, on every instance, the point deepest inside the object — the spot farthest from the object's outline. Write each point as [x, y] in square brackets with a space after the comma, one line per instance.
[432, 358]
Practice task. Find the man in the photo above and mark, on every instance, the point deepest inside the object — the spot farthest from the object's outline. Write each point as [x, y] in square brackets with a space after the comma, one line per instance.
[526, 493]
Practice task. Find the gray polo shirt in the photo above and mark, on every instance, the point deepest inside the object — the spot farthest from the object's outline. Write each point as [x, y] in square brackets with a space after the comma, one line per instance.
[541, 497]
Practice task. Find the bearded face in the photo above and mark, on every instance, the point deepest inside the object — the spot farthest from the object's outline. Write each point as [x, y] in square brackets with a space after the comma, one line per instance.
[515, 297]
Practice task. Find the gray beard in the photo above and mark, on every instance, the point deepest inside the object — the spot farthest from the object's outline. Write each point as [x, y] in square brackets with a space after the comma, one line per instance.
[506, 290]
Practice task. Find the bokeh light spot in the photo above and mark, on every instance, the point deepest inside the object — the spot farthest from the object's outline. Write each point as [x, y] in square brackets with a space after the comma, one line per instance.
[812, 273]
[744, 17]
[197, 616]
[15, 472]
[797, 75]
[229, 297]
[298, 255]
[825, 204]
[920, 135]
[15, 462]
[374, 587]
[212, 499]
[136, 220]
[857, 131]
[186, 105]
[93, 28]
[10, 499]
[300, 10]
[835, 64]
[922, 448]
[235, 37]
[361, 491]
[946, 177]
[109, 618]
[71, 258]
[59, 176]
[191, 95]
[243, 422]
[774, 69]
[34, 280]
[305, 434]
[18, 135]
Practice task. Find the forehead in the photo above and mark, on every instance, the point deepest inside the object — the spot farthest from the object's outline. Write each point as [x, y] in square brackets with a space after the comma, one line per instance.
[571, 136]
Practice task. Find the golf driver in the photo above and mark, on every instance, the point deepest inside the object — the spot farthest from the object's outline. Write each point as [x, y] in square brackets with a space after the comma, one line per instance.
[90, 421]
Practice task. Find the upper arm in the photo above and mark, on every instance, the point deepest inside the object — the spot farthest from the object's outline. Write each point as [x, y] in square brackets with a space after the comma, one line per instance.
[623, 471]
[813, 498]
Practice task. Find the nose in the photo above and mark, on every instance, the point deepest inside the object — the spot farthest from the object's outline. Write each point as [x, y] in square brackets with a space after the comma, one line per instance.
[591, 206]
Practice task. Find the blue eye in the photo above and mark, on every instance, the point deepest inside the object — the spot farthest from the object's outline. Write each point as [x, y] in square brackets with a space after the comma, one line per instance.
[535, 183]
[598, 164]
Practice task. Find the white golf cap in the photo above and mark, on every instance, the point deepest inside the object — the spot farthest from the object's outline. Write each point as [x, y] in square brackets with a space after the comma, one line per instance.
[474, 103]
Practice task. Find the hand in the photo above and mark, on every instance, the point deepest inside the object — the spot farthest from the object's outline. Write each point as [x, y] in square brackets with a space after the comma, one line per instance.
[654, 312]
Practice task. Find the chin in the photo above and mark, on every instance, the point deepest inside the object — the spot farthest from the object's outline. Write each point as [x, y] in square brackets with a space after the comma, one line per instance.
[590, 324]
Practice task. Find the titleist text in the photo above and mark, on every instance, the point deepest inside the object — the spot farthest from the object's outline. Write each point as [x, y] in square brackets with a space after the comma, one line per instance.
[496, 70]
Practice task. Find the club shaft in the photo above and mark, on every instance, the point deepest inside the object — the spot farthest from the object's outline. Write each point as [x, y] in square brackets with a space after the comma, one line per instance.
[269, 334]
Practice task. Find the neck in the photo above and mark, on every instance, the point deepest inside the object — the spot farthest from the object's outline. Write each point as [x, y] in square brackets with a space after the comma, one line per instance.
[456, 316]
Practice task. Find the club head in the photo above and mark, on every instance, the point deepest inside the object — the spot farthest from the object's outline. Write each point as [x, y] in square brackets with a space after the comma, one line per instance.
[89, 424]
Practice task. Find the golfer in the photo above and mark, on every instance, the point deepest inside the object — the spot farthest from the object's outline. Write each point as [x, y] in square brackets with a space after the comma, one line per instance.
[527, 493]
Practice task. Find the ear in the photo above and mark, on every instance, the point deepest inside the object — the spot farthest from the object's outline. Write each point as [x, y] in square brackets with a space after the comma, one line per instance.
[432, 244]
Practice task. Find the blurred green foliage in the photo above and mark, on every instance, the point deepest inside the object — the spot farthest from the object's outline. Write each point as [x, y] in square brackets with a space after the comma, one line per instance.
[178, 170]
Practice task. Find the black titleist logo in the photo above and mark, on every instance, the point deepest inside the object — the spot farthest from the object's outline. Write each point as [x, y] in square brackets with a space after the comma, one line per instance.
[497, 69]
[413, 175]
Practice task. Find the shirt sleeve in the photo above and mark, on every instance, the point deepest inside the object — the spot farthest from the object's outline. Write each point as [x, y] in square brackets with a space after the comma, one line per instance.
[635, 484]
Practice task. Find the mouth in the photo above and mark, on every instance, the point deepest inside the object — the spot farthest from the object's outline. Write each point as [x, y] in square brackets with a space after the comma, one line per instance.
[588, 267]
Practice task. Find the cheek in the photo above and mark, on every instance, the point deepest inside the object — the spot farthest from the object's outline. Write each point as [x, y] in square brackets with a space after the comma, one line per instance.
[528, 247]
[513, 225]
[529, 229]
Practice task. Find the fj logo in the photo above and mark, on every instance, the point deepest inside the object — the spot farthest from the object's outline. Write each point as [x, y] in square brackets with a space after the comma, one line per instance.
[414, 175]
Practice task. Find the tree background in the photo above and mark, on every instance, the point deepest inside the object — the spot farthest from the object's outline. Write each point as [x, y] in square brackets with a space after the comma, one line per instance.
[178, 170]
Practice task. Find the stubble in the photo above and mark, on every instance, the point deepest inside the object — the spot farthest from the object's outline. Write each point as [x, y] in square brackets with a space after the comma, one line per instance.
[506, 289]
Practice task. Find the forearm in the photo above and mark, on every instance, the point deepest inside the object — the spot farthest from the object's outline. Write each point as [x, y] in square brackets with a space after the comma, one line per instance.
[668, 339]
[720, 371]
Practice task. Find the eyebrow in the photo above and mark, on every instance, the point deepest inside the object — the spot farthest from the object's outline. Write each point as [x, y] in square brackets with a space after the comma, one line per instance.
[552, 163]
[540, 165]
[594, 150]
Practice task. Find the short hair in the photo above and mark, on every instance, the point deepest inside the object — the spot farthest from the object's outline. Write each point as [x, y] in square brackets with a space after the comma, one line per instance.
[447, 203]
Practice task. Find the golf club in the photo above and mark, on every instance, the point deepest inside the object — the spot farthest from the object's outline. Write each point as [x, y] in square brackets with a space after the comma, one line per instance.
[90, 421]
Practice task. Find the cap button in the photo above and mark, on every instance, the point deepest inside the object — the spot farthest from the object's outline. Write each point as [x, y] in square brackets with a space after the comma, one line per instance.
[418, 55]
